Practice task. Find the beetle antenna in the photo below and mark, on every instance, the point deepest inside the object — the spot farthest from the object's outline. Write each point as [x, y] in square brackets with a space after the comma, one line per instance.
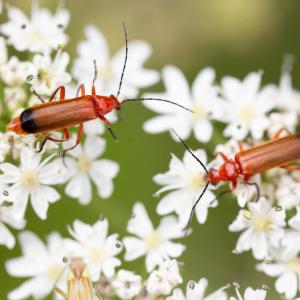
[194, 207]
[95, 72]
[190, 151]
[125, 61]
[157, 99]
[205, 187]
[38, 96]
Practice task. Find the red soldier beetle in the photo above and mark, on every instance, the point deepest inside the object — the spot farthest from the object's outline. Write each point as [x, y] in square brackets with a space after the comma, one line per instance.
[64, 113]
[278, 152]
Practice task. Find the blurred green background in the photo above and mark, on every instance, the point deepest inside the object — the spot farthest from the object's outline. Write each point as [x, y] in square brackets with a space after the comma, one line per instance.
[234, 37]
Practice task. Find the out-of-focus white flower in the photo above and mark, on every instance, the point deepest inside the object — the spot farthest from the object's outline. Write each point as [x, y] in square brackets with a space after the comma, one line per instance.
[286, 267]
[263, 227]
[42, 33]
[48, 74]
[250, 294]
[187, 179]
[291, 239]
[4, 146]
[15, 72]
[43, 263]
[245, 106]
[96, 248]
[13, 96]
[288, 192]
[287, 98]
[110, 68]
[154, 243]
[163, 280]
[3, 51]
[279, 120]
[31, 180]
[202, 98]
[7, 218]
[127, 284]
[82, 164]
[196, 290]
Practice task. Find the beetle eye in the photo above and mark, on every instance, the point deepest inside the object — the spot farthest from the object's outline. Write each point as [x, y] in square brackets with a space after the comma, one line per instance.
[118, 108]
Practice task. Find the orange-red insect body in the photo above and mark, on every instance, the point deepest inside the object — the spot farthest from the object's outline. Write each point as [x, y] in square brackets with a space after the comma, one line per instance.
[278, 152]
[55, 115]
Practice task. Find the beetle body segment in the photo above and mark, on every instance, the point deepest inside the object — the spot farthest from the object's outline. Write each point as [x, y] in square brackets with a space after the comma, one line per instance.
[55, 115]
[275, 153]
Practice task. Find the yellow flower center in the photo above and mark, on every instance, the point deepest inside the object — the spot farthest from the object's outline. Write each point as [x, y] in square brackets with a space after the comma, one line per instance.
[196, 181]
[84, 163]
[261, 223]
[199, 112]
[35, 36]
[247, 113]
[30, 179]
[152, 240]
[44, 75]
[54, 271]
[97, 254]
[294, 265]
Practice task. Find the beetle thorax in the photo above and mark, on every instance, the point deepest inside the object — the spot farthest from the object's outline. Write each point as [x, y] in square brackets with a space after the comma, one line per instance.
[229, 171]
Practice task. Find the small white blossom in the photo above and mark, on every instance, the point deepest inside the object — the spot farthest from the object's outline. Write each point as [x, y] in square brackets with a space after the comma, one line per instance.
[110, 68]
[245, 106]
[250, 294]
[164, 279]
[186, 180]
[286, 267]
[3, 51]
[196, 290]
[291, 239]
[83, 165]
[4, 146]
[42, 33]
[154, 243]
[7, 218]
[31, 180]
[15, 72]
[48, 74]
[43, 263]
[262, 226]
[288, 192]
[96, 248]
[13, 96]
[287, 98]
[279, 120]
[127, 284]
[202, 98]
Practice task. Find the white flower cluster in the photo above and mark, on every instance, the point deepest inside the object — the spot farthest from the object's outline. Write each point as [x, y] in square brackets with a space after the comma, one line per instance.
[269, 225]
[240, 109]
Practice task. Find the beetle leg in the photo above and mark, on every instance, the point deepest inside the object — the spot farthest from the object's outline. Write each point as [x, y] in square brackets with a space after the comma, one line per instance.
[60, 292]
[256, 187]
[240, 145]
[279, 132]
[81, 89]
[290, 167]
[224, 157]
[94, 79]
[107, 124]
[61, 89]
[78, 139]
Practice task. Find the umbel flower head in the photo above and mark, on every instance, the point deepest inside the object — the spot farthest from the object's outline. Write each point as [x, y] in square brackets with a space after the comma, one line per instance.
[32, 180]
[40, 33]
